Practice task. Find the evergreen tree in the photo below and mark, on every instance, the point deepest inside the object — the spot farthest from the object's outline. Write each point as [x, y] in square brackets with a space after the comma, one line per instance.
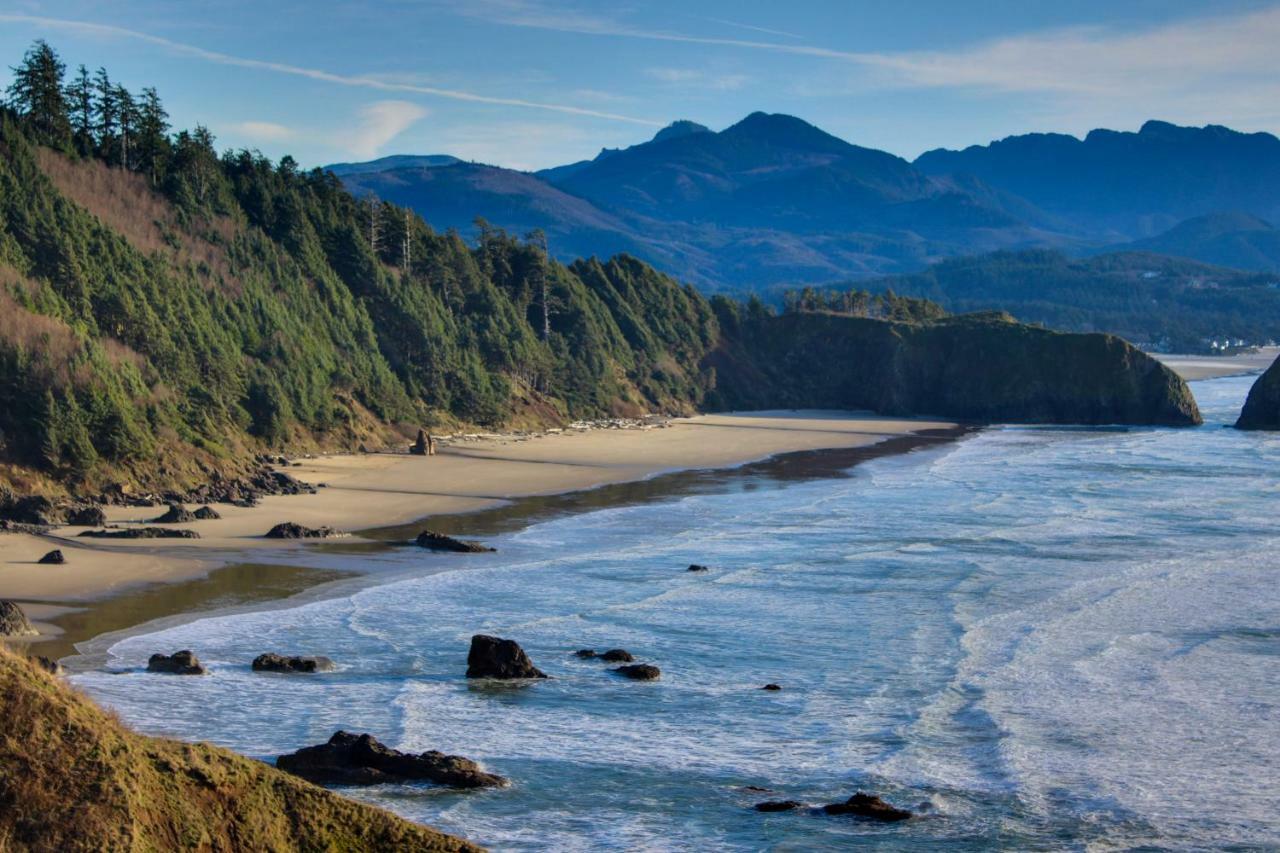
[128, 120]
[152, 135]
[36, 93]
[106, 115]
[80, 97]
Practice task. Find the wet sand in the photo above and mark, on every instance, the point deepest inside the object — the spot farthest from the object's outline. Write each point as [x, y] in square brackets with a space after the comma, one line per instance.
[477, 488]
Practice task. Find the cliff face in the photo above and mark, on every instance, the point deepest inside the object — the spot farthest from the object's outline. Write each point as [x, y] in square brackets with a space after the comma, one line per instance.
[983, 367]
[73, 778]
[1262, 408]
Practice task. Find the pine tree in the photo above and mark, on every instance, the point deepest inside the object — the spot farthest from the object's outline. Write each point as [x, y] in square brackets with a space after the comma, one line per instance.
[127, 116]
[36, 93]
[106, 114]
[153, 135]
[80, 96]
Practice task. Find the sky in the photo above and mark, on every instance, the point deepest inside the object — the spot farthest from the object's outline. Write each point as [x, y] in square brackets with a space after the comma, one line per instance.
[529, 84]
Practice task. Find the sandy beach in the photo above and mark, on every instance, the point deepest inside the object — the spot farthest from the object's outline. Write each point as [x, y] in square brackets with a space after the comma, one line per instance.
[375, 490]
[1192, 367]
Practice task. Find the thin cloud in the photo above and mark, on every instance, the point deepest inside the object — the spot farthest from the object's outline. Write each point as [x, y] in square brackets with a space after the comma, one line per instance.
[380, 122]
[694, 78]
[313, 73]
[753, 28]
[263, 131]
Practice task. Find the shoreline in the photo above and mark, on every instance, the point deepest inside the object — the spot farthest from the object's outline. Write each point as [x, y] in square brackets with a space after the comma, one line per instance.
[1195, 367]
[133, 586]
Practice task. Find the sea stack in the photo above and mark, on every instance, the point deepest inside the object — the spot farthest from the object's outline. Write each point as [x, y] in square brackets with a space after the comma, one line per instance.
[494, 657]
[1262, 408]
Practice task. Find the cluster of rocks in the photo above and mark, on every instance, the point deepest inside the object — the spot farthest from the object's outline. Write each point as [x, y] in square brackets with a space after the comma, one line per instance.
[439, 542]
[292, 530]
[860, 805]
[179, 663]
[13, 622]
[349, 759]
[611, 656]
[271, 662]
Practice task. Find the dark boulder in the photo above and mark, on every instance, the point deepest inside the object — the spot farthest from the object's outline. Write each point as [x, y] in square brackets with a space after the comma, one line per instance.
[175, 514]
[869, 807]
[90, 515]
[290, 530]
[639, 672]
[440, 542]
[13, 622]
[349, 759]
[420, 446]
[1262, 407]
[179, 663]
[206, 513]
[494, 657]
[586, 653]
[772, 686]
[271, 662]
[779, 805]
[141, 533]
[53, 558]
[698, 567]
[31, 509]
[617, 656]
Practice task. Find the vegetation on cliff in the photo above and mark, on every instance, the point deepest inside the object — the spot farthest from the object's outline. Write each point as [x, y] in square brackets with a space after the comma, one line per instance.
[1262, 406]
[72, 777]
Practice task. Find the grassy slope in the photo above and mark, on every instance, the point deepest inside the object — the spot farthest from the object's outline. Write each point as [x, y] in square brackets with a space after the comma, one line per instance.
[72, 777]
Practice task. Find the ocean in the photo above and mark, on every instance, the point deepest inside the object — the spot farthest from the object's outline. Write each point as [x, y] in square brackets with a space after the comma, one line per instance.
[1036, 638]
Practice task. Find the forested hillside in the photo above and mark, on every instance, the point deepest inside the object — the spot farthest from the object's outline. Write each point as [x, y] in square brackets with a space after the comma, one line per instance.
[168, 311]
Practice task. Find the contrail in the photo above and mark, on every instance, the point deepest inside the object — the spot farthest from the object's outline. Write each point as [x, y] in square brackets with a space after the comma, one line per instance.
[313, 73]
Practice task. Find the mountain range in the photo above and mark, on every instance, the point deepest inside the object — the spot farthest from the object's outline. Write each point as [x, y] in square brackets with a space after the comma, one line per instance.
[773, 199]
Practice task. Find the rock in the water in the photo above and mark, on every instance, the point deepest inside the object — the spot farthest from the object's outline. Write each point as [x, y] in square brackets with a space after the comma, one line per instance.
[290, 530]
[49, 665]
[271, 662]
[698, 567]
[13, 622]
[142, 533]
[586, 653]
[617, 656]
[179, 663]
[772, 686]
[779, 805]
[89, 515]
[420, 446]
[1262, 407]
[639, 672]
[349, 759]
[867, 806]
[440, 542]
[53, 558]
[175, 514]
[206, 513]
[494, 657]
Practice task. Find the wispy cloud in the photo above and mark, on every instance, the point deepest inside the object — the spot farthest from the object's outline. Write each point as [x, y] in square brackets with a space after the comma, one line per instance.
[752, 28]
[262, 131]
[696, 78]
[380, 122]
[362, 81]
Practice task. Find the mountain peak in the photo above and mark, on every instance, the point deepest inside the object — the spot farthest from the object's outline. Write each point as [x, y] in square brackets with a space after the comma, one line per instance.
[682, 127]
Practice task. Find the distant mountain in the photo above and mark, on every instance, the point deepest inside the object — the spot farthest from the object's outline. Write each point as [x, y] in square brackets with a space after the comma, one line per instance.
[771, 199]
[394, 161]
[1238, 240]
[1128, 185]
[1154, 300]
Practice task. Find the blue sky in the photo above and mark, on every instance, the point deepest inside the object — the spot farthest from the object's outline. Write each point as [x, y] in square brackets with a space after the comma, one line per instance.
[535, 83]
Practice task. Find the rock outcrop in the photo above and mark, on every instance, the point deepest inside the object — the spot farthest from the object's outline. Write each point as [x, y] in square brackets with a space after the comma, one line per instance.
[179, 663]
[779, 805]
[698, 567]
[13, 622]
[290, 530]
[639, 672]
[89, 515]
[175, 514]
[271, 662]
[617, 656]
[440, 542]
[349, 759]
[771, 686]
[141, 533]
[206, 513]
[420, 446]
[984, 368]
[869, 807]
[494, 657]
[53, 558]
[1262, 407]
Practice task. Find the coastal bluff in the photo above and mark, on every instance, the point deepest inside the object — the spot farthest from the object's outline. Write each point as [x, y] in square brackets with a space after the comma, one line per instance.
[72, 777]
[1262, 407]
[985, 368]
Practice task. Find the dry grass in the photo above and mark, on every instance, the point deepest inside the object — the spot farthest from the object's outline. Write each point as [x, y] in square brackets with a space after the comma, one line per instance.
[73, 778]
[124, 202]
